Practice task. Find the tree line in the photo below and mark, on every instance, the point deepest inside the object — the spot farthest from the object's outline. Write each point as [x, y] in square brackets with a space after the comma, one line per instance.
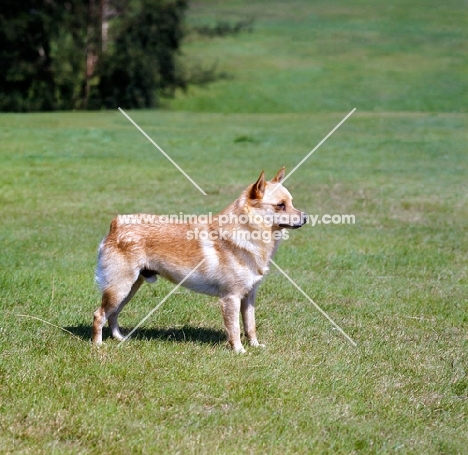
[89, 54]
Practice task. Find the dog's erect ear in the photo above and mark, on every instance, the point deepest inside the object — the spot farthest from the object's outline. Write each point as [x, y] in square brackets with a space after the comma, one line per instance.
[279, 176]
[258, 188]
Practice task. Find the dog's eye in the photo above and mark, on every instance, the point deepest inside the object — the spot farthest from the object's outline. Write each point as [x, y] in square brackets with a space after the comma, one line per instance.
[281, 206]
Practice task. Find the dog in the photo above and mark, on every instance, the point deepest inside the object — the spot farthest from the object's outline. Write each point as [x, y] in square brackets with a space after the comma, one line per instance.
[226, 256]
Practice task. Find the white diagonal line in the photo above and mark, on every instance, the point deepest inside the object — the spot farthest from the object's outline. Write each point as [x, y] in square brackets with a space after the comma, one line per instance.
[161, 302]
[50, 323]
[313, 303]
[316, 147]
[320, 143]
[161, 150]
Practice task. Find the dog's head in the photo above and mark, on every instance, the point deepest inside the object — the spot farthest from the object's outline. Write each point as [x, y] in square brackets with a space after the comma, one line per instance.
[272, 201]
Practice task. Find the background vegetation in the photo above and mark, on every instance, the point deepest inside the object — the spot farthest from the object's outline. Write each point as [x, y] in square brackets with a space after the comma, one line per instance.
[396, 281]
[80, 54]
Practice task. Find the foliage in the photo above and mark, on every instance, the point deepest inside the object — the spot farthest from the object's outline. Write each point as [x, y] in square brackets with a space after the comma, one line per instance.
[80, 54]
[143, 64]
[25, 79]
[225, 28]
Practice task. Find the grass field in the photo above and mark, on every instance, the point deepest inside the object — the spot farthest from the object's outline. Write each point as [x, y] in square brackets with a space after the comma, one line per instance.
[396, 281]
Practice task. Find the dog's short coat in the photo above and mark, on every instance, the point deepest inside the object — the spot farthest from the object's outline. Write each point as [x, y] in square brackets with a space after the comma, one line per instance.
[235, 256]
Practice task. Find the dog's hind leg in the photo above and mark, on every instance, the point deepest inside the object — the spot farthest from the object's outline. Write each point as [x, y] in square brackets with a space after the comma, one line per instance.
[113, 317]
[248, 317]
[114, 298]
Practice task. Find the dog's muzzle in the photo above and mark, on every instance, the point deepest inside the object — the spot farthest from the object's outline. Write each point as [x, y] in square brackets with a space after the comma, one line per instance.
[295, 221]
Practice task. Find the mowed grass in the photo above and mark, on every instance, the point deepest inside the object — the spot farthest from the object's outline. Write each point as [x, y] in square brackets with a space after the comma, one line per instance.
[396, 281]
[328, 56]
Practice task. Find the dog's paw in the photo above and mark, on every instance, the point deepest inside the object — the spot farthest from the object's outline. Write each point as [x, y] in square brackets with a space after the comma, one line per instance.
[239, 350]
[117, 335]
[256, 344]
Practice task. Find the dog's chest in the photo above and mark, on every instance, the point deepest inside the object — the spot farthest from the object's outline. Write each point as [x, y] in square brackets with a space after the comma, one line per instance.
[231, 269]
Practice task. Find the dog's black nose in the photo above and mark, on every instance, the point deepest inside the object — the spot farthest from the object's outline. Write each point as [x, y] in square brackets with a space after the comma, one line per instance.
[305, 218]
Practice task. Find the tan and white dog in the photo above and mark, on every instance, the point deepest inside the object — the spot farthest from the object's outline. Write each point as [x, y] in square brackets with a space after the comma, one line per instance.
[227, 256]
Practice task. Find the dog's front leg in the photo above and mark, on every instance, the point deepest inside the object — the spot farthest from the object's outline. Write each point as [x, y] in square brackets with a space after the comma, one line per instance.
[248, 317]
[230, 306]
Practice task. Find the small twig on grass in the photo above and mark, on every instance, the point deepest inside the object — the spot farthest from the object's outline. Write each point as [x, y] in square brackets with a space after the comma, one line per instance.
[50, 323]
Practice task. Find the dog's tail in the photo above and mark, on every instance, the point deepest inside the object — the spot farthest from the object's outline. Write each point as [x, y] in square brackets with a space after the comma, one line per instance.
[99, 274]
[106, 272]
[103, 272]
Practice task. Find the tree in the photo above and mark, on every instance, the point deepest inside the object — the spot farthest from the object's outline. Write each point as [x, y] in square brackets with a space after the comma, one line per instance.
[141, 62]
[24, 57]
[74, 54]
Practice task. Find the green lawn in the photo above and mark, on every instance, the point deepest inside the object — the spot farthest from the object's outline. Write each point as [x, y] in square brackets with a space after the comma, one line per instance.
[328, 56]
[396, 281]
